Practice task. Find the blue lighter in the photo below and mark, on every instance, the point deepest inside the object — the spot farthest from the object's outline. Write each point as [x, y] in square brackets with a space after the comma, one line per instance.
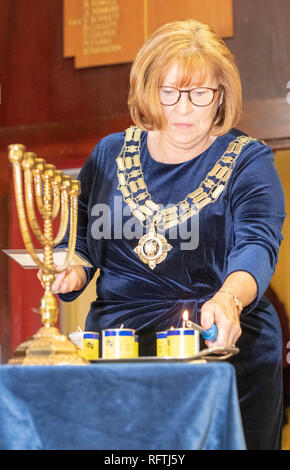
[208, 335]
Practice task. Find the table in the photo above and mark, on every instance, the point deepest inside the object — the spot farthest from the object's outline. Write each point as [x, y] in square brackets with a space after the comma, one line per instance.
[140, 406]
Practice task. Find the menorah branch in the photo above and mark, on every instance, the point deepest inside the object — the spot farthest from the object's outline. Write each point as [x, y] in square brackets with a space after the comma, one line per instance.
[55, 195]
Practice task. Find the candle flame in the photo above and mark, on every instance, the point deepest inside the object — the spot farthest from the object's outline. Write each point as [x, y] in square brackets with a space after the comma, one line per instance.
[185, 315]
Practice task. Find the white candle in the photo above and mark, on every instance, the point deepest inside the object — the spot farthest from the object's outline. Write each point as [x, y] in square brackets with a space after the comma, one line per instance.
[184, 318]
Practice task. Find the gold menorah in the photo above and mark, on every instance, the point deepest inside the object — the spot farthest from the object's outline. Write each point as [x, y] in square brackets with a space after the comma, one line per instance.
[54, 194]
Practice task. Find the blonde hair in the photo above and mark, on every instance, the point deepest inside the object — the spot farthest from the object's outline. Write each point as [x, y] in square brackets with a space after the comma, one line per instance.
[198, 50]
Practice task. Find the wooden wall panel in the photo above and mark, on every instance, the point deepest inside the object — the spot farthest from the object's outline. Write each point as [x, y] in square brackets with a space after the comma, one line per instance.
[52, 109]
[261, 44]
[42, 86]
[216, 13]
[112, 31]
[4, 53]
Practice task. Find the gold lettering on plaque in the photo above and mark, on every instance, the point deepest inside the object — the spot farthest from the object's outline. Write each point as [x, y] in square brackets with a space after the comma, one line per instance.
[100, 21]
[100, 32]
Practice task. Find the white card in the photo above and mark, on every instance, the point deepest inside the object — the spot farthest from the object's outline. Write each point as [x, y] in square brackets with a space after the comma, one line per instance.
[24, 259]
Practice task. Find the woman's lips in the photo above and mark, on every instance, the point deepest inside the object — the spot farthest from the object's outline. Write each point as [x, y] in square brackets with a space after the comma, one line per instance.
[182, 125]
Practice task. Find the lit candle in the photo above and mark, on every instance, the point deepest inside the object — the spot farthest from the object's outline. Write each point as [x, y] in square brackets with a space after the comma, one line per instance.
[184, 318]
[182, 342]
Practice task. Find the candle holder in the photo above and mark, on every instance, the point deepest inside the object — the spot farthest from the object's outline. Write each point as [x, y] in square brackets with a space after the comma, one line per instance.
[182, 342]
[119, 343]
[90, 347]
[55, 194]
[161, 344]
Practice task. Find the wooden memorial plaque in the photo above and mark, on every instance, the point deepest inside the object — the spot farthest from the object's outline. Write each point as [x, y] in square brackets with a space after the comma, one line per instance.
[216, 13]
[102, 32]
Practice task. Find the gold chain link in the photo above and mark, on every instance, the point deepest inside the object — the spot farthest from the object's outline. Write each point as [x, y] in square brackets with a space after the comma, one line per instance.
[135, 191]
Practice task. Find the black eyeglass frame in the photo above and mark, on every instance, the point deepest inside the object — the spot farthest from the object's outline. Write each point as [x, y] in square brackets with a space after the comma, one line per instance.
[214, 90]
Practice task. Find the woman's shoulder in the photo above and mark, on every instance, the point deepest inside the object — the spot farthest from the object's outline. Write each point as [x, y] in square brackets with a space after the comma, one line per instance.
[254, 164]
[238, 135]
[110, 142]
[246, 146]
[103, 153]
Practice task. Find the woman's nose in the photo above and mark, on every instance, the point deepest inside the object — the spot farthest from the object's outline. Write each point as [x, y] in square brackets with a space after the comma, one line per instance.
[184, 104]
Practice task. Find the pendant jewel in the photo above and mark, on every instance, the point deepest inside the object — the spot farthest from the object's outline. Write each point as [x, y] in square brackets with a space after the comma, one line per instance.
[152, 248]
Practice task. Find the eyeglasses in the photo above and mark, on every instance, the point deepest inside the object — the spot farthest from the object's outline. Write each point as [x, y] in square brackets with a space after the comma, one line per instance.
[202, 96]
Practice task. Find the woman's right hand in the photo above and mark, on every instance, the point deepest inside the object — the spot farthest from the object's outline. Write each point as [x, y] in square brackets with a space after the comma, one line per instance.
[72, 279]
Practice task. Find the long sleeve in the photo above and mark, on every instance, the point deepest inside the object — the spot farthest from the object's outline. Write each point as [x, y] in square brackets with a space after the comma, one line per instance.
[258, 208]
[86, 177]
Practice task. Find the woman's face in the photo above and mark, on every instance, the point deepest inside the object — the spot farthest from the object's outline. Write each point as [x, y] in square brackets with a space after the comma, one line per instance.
[188, 124]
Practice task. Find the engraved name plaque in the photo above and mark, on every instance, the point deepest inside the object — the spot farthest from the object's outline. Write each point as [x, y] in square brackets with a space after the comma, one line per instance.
[102, 32]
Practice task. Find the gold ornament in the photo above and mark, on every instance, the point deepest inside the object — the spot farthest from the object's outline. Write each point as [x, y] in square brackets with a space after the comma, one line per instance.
[53, 192]
[153, 247]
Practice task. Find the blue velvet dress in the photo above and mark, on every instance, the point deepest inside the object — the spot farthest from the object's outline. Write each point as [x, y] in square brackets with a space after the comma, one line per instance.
[240, 230]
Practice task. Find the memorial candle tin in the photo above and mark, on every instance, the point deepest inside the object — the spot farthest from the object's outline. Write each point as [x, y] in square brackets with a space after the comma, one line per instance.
[90, 348]
[182, 342]
[136, 346]
[161, 344]
[118, 343]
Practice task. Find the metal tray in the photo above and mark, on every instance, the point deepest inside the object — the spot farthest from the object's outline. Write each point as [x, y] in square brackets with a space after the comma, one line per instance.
[218, 353]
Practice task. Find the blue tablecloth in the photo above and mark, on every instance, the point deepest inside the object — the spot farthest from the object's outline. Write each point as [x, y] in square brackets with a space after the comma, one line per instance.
[124, 406]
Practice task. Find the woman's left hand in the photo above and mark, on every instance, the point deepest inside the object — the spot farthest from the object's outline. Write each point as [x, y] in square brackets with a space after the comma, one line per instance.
[222, 311]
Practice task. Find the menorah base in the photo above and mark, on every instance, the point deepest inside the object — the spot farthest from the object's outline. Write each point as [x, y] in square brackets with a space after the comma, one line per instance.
[47, 347]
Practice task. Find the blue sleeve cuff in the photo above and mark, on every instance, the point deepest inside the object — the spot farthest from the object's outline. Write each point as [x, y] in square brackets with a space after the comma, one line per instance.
[254, 260]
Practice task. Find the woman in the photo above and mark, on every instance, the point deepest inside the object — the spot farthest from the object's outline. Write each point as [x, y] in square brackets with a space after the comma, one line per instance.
[184, 211]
